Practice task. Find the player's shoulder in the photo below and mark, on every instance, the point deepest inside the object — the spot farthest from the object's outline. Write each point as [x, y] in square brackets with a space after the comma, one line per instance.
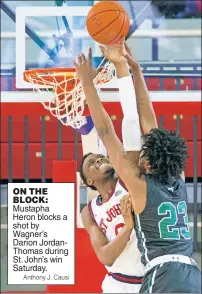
[85, 214]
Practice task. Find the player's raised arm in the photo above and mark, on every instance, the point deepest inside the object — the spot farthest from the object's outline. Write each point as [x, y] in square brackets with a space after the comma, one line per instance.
[144, 105]
[146, 112]
[127, 170]
[86, 75]
[107, 252]
[131, 131]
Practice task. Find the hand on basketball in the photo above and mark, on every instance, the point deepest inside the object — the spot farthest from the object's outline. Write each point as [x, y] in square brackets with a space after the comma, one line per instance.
[115, 53]
[84, 69]
[126, 210]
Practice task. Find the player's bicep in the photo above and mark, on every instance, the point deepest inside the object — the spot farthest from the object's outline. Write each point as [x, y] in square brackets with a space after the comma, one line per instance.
[97, 237]
[133, 156]
[148, 125]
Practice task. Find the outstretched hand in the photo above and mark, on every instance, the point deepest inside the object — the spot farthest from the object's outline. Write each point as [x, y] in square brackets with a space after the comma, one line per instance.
[84, 69]
[115, 52]
[126, 210]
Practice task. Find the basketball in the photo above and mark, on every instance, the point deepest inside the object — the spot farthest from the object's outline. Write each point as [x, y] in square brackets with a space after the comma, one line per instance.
[107, 22]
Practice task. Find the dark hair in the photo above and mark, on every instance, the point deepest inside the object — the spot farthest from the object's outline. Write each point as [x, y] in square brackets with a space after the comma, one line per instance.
[166, 153]
[82, 173]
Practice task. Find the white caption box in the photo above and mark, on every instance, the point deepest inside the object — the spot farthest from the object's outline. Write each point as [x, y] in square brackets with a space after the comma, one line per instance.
[41, 233]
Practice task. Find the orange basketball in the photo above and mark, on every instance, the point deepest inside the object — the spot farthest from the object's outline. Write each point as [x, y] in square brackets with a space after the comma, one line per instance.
[107, 22]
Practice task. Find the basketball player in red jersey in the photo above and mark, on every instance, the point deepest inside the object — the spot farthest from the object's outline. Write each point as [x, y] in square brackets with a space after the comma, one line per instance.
[102, 217]
[153, 178]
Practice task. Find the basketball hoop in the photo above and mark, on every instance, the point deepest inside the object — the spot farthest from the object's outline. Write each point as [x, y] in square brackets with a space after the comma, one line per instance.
[67, 99]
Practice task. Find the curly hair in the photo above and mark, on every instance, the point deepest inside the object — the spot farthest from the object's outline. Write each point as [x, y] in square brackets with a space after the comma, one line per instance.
[82, 173]
[166, 153]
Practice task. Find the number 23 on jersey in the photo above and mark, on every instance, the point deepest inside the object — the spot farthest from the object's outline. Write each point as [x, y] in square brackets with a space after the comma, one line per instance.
[167, 224]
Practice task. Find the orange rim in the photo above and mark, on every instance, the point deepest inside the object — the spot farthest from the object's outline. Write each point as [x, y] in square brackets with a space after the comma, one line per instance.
[50, 75]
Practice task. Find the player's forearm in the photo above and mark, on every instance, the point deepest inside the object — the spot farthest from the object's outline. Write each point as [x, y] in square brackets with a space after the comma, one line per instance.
[131, 131]
[110, 252]
[144, 104]
[99, 115]
[122, 70]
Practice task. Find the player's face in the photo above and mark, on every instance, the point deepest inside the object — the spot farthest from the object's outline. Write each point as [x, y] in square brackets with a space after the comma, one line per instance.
[97, 168]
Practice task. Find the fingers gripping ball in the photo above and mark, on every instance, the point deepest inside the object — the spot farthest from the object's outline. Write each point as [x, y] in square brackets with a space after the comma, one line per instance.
[107, 22]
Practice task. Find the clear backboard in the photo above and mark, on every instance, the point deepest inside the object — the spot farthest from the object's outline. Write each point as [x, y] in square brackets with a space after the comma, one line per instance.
[57, 45]
[52, 33]
[52, 36]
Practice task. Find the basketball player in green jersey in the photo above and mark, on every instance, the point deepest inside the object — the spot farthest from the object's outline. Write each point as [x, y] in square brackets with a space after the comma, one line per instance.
[153, 178]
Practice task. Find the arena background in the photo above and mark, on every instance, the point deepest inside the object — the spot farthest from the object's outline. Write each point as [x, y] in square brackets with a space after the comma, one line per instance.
[165, 37]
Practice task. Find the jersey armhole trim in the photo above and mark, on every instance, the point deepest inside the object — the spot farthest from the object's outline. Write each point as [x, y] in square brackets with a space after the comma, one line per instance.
[123, 185]
[91, 211]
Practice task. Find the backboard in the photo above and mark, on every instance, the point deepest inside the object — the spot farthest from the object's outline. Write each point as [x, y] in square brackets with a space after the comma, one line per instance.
[52, 36]
[56, 51]
[46, 32]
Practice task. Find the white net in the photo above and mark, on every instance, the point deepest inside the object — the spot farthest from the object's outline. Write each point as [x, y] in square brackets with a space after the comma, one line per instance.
[67, 99]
